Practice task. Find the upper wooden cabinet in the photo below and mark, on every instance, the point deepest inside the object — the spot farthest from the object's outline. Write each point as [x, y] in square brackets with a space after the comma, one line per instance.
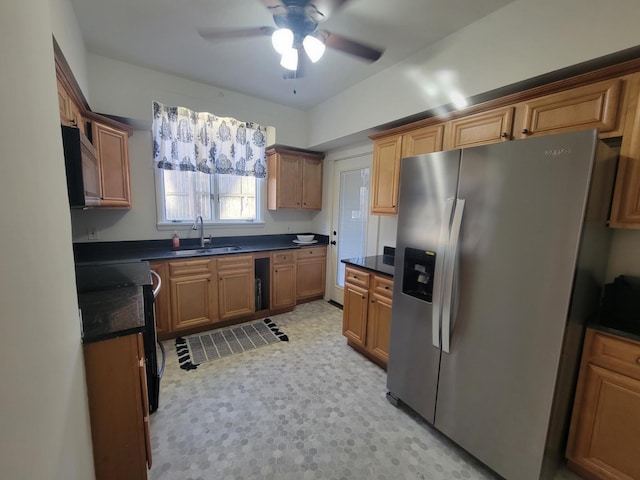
[109, 137]
[295, 178]
[591, 106]
[112, 148]
[387, 154]
[604, 440]
[625, 209]
[479, 129]
[386, 175]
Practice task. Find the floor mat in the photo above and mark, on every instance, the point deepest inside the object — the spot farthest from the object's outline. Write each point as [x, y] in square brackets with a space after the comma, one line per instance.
[205, 347]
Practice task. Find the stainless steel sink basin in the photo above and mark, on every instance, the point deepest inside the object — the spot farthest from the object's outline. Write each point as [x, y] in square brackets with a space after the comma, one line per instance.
[204, 251]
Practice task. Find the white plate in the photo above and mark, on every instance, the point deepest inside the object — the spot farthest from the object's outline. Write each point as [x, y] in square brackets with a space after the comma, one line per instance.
[305, 243]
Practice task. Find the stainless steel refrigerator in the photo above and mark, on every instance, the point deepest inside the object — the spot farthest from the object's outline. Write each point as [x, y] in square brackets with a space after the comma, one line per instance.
[500, 256]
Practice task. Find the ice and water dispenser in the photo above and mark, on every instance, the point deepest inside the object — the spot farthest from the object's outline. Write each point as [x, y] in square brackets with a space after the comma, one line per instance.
[417, 279]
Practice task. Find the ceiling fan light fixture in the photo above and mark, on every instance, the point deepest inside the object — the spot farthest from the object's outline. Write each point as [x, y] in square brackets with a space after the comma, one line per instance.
[314, 47]
[282, 40]
[290, 59]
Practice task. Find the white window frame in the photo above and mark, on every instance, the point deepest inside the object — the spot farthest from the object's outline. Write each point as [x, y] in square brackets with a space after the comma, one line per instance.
[183, 224]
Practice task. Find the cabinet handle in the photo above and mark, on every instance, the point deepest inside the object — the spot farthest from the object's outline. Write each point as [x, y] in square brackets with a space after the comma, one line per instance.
[372, 301]
[386, 288]
[525, 131]
[333, 242]
[504, 135]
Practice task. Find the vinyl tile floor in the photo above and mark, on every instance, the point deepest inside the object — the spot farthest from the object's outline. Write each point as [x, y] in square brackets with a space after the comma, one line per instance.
[309, 408]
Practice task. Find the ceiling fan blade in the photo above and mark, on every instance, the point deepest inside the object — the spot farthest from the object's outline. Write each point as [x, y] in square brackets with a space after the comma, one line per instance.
[320, 10]
[352, 47]
[275, 7]
[230, 33]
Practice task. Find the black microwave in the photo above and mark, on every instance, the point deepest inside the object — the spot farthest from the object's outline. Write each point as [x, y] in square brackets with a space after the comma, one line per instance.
[81, 165]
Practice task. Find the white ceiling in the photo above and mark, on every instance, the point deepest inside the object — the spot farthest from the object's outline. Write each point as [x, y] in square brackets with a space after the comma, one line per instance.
[162, 35]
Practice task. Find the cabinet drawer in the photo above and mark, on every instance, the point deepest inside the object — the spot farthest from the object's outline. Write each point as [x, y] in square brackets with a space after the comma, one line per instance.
[189, 267]
[356, 277]
[312, 252]
[382, 286]
[616, 353]
[232, 262]
[283, 258]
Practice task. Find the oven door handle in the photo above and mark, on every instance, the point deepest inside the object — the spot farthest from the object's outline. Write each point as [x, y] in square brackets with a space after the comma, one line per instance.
[164, 358]
[156, 290]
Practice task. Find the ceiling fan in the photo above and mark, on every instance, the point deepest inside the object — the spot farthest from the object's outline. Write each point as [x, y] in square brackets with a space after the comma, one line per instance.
[297, 30]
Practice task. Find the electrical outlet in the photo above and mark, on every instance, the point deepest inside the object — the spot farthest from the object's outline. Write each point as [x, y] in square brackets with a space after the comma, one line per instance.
[92, 233]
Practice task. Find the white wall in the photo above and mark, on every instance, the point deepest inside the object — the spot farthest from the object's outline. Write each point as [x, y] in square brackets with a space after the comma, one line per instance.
[516, 42]
[44, 425]
[127, 90]
[64, 25]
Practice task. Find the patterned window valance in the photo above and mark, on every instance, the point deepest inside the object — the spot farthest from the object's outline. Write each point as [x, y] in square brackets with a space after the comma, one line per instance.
[200, 141]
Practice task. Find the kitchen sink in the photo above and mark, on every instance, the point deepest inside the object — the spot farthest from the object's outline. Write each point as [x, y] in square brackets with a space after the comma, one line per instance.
[204, 251]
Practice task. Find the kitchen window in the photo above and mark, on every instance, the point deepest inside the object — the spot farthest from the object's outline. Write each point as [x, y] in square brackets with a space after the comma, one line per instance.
[219, 199]
[207, 166]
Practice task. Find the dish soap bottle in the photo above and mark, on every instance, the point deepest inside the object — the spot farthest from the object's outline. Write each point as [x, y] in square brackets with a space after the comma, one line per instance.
[175, 239]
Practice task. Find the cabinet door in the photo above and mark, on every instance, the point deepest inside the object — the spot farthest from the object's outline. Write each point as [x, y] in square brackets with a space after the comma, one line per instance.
[591, 106]
[310, 273]
[354, 313]
[422, 140]
[625, 209]
[379, 327]
[386, 175]
[193, 294]
[480, 129]
[112, 146]
[161, 303]
[607, 437]
[63, 105]
[115, 376]
[286, 181]
[236, 292]
[311, 183]
[283, 286]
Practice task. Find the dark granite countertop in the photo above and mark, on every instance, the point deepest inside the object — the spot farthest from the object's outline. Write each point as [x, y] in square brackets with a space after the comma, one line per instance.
[92, 252]
[383, 264]
[625, 333]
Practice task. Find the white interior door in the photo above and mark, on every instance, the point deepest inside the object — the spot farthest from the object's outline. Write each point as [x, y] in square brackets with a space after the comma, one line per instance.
[353, 232]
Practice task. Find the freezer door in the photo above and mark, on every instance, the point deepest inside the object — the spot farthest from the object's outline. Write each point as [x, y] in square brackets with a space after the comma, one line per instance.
[524, 208]
[428, 186]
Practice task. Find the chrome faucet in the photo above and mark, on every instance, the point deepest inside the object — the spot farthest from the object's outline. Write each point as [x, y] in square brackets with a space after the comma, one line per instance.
[195, 227]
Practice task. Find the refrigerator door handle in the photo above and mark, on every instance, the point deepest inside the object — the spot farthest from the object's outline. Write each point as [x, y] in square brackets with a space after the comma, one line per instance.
[449, 276]
[438, 274]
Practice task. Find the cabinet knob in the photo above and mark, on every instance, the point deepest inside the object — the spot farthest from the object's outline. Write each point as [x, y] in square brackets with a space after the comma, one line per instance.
[638, 360]
[504, 135]
[363, 297]
[525, 131]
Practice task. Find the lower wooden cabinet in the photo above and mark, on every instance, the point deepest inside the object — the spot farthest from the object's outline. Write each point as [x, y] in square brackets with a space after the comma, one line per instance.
[201, 293]
[604, 440]
[366, 320]
[283, 279]
[236, 284]
[193, 292]
[311, 265]
[118, 407]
